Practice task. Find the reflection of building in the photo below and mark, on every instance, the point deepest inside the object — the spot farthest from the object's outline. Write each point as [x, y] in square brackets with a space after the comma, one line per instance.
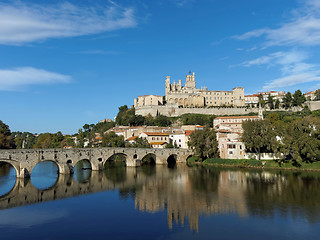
[184, 201]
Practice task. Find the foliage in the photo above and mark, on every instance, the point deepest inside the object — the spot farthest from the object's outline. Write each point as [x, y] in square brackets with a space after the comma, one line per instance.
[258, 136]
[317, 94]
[127, 117]
[101, 127]
[159, 120]
[287, 100]
[234, 162]
[270, 102]
[6, 140]
[261, 101]
[50, 140]
[24, 140]
[139, 143]
[300, 140]
[204, 143]
[197, 119]
[112, 140]
[277, 104]
[298, 98]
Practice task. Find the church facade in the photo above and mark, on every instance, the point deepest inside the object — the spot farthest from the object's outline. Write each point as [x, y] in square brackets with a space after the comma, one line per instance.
[188, 96]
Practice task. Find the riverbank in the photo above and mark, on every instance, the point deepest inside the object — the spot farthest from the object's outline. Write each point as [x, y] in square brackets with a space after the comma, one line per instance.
[251, 163]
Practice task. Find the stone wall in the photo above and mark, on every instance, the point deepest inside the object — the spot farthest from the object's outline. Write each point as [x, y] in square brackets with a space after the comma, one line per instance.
[175, 111]
[313, 105]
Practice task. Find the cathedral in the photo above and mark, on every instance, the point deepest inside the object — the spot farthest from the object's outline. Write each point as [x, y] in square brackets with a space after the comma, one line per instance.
[189, 96]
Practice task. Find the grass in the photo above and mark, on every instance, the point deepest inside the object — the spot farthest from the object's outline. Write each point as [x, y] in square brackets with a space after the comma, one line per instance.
[252, 163]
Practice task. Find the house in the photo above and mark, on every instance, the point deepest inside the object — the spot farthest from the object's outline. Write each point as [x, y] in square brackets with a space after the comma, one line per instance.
[229, 133]
[156, 139]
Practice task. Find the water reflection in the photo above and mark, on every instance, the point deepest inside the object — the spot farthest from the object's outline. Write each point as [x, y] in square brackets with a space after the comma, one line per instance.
[44, 175]
[7, 178]
[82, 171]
[187, 193]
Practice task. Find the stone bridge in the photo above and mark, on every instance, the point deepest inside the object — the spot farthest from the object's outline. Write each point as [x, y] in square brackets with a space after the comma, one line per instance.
[24, 160]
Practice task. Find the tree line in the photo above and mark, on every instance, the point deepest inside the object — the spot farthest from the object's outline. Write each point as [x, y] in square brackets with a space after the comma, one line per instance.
[290, 139]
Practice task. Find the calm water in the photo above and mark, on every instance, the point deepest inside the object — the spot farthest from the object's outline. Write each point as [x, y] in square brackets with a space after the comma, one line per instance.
[159, 203]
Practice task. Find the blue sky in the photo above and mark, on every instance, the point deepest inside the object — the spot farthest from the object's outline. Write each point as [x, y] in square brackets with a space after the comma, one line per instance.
[67, 63]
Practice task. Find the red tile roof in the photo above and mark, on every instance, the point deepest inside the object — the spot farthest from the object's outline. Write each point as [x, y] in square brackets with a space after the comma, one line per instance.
[156, 134]
[157, 143]
[132, 138]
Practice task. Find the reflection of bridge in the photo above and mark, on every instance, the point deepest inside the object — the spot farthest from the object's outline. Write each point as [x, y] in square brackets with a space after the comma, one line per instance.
[24, 160]
[24, 192]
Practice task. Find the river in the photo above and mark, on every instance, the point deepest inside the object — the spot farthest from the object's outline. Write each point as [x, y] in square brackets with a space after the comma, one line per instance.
[157, 202]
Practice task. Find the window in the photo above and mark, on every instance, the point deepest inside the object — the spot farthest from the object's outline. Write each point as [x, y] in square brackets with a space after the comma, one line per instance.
[240, 148]
[230, 152]
[179, 140]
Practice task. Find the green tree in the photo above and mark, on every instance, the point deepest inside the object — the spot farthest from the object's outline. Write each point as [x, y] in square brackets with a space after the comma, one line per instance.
[43, 141]
[287, 100]
[24, 139]
[127, 117]
[258, 136]
[300, 140]
[139, 143]
[298, 98]
[261, 101]
[113, 140]
[56, 140]
[6, 140]
[204, 142]
[270, 102]
[277, 104]
[317, 94]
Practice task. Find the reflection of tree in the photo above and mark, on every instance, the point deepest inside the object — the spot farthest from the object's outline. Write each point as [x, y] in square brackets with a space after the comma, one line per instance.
[294, 193]
[4, 169]
[204, 179]
[82, 171]
[115, 169]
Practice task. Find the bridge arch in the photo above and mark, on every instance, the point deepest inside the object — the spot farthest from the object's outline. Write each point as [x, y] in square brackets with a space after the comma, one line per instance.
[44, 175]
[149, 158]
[172, 160]
[82, 170]
[15, 164]
[6, 171]
[118, 156]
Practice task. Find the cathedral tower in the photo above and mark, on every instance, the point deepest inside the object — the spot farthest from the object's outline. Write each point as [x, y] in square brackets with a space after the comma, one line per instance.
[190, 81]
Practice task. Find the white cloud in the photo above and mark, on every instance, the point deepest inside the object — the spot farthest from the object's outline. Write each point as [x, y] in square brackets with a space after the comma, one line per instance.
[100, 52]
[293, 68]
[182, 3]
[21, 23]
[302, 29]
[291, 80]
[18, 78]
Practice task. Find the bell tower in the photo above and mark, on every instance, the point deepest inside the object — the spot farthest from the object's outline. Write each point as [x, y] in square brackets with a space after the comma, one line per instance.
[190, 81]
